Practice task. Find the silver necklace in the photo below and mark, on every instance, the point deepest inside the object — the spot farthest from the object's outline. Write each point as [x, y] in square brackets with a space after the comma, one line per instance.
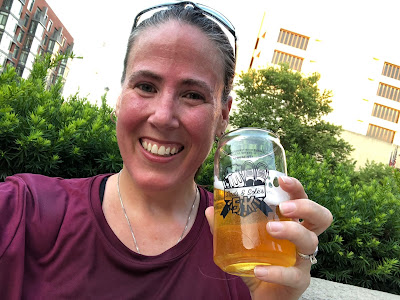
[129, 223]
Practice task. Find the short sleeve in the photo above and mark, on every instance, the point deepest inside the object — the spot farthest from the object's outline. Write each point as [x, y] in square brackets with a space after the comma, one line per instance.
[14, 195]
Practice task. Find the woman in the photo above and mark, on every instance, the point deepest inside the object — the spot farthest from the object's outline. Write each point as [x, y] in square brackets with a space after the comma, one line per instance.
[142, 233]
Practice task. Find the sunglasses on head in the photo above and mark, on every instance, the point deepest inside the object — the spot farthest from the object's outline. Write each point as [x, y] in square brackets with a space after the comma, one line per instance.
[205, 10]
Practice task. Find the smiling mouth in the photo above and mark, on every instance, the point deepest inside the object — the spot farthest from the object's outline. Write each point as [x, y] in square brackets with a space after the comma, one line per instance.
[159, 149]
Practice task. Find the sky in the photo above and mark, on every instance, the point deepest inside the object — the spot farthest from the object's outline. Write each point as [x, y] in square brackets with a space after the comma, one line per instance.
[100, 30]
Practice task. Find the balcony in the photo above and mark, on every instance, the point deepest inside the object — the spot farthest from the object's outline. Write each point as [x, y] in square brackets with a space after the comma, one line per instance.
[57, 35]
[41, 16]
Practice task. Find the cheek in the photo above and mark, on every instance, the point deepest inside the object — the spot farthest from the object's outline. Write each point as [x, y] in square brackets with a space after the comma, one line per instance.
[131, 113]
[202, 125]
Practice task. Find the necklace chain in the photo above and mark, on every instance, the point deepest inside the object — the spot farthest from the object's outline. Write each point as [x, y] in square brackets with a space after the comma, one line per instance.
[129, 223]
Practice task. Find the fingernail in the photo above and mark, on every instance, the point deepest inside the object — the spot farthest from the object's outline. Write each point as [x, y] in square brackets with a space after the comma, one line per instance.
[275, 226]
[287, 207]
[287, 180]
[260, 271]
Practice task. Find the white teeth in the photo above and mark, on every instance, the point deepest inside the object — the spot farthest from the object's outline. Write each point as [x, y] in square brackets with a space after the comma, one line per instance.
[162, 151]
[154, 149]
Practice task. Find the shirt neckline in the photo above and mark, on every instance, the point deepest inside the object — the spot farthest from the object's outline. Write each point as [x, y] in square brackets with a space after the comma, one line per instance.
[112, 242]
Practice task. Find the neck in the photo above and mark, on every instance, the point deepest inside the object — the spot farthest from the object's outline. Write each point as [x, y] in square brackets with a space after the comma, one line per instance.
[174, 200]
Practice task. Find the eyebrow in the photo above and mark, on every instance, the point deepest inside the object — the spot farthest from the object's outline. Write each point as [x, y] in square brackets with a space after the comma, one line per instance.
[144, 73]
[199, 83]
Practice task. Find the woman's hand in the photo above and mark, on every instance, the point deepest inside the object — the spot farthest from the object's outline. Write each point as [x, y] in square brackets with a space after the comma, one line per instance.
[274, 282]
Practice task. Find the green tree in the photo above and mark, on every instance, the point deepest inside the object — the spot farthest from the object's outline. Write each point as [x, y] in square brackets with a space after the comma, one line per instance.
[291, 105]
[362, 246]
[41, 132]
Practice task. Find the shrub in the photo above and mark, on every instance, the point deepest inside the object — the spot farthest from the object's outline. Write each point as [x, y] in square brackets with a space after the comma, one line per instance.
[41, 132]
[362, 246]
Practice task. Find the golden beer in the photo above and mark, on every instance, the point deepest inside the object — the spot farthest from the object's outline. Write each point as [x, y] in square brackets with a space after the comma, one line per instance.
[241, 243]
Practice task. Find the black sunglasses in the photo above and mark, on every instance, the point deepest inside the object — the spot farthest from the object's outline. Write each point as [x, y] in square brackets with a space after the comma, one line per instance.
[205, 10]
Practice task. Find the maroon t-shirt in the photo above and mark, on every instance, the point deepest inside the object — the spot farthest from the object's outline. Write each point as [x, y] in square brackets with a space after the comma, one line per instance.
[55, 243]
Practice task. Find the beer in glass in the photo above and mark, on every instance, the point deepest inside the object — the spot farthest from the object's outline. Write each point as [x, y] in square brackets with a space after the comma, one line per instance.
[248, 163]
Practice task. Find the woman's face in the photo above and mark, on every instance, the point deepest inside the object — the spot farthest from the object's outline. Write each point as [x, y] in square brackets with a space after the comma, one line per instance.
[170, 109]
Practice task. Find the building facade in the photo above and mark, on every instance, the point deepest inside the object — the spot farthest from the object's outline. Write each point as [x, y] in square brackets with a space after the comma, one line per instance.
[365, 85]
[29, 28]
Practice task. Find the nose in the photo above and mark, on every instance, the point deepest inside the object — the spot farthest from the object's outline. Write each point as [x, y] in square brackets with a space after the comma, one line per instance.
[165, 113]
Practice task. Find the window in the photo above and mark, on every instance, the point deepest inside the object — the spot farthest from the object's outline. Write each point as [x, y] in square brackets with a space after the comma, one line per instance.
[7, 4]
[49, 25]
[23, 57]
[20, 36]
[15, 52]
[28, 42]
[391, 71]
[61, 71]
[293, 39]
[385, 113]
[26, 21]
[3, 19]
[294, 62]
[30, 4]
[33, 27]
[46, 38]
[389, 92]
[51, 45]
[380, 133]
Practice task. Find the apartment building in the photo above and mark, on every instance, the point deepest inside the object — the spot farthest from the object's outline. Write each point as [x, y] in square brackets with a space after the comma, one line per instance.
[277, 43]
[29, 28]
[365, 86]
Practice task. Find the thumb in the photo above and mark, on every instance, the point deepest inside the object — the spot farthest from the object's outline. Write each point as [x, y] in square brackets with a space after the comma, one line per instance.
[210, 217]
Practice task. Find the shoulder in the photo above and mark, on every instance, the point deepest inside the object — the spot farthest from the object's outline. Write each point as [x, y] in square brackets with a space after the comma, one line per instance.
[208, 196]
[43, 205]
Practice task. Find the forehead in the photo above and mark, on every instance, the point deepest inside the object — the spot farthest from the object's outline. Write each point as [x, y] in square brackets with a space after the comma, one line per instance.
[176, 43]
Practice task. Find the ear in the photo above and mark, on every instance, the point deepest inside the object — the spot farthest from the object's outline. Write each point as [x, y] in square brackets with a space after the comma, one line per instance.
[118, 106]
[226, 108]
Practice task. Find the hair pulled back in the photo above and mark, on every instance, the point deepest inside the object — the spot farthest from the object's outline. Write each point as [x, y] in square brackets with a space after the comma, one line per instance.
[195, 18]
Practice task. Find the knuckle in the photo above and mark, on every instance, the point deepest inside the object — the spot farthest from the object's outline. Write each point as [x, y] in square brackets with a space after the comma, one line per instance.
[298, 276]
[314, 241]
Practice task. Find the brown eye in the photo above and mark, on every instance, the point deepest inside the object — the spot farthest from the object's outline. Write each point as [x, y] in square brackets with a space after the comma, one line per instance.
[147, 88]
[194, 96]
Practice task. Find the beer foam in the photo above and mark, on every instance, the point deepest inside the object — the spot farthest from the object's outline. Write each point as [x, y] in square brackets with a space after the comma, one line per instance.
[218, 184]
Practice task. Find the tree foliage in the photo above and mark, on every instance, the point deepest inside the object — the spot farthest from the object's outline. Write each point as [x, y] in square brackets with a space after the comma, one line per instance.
[362, 246]
[41, 132]
[291, 105]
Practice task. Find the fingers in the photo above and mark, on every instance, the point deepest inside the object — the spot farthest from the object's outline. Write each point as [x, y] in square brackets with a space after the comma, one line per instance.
[293, 187]
[296, 277]
[316, 217]
[210, 217]
[306, 241]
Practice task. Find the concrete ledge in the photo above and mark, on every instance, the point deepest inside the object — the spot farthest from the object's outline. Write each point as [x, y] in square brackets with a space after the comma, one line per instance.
[327, 290]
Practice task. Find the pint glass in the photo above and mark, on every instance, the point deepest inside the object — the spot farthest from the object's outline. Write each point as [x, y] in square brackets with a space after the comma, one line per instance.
[248, 163]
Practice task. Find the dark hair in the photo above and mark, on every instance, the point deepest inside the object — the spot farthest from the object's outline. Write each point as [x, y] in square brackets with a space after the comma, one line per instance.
[193, 17]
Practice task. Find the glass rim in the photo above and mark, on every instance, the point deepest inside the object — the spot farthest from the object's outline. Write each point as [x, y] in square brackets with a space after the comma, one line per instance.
[270, 132]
